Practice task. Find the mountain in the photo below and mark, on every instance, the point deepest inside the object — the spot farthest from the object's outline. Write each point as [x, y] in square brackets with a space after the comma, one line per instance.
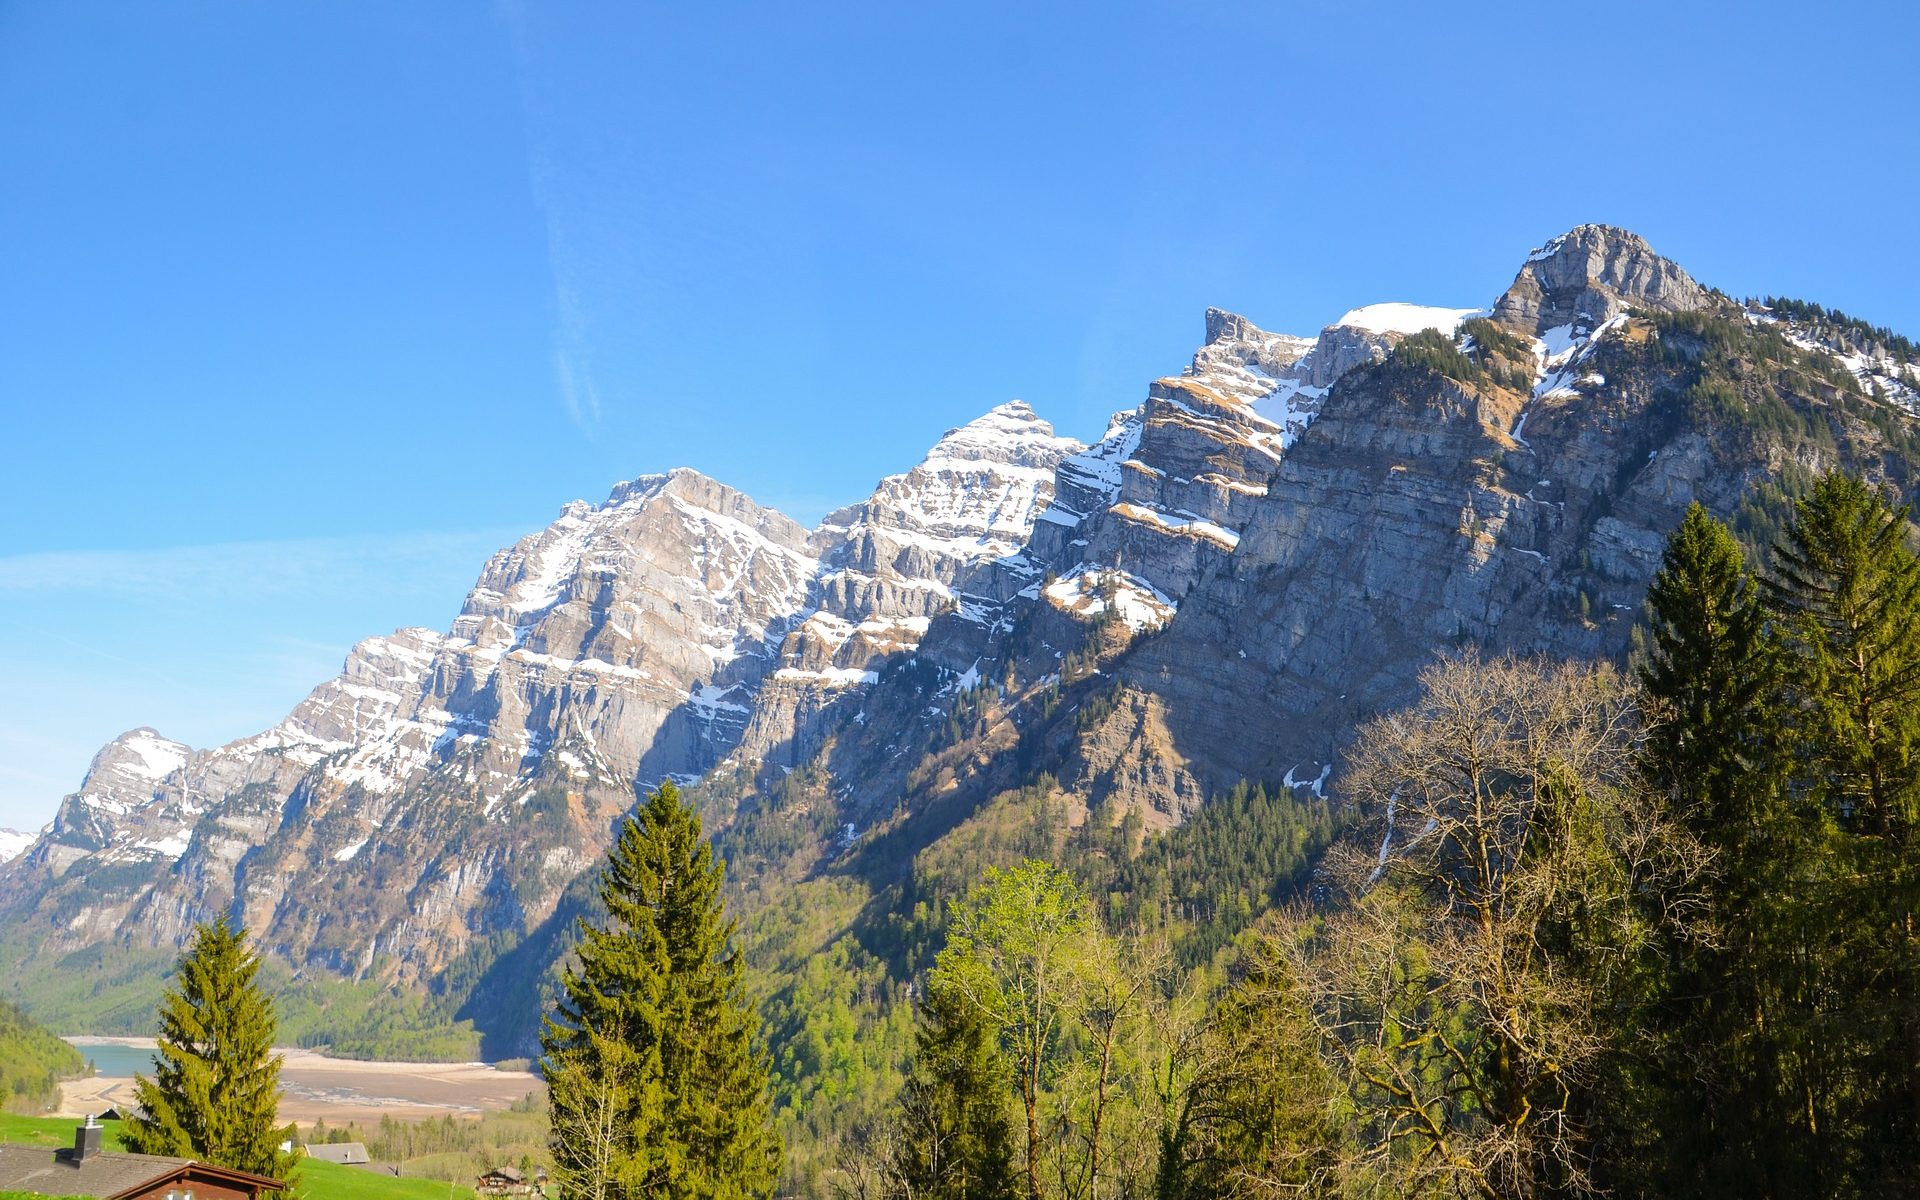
[13, 844]
[641, 639]
[1021, 632]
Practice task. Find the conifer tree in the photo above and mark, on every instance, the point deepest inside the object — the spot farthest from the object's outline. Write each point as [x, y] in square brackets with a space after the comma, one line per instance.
[1712, 674]
[1711, 669]
[1847, 593]
[657, 1088]
[956, 1138]
[215, 1091]
[1258, 1115]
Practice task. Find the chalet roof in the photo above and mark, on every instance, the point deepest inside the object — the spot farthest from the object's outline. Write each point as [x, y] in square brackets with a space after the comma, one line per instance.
[510, 1174]
[349, 1153]
[105, 1173]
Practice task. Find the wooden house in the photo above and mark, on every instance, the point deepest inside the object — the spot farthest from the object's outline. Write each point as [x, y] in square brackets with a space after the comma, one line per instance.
[505, 1181]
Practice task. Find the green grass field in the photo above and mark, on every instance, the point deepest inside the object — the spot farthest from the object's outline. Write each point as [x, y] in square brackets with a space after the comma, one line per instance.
[50, 1131]
[331, 1181]
[313, 1181]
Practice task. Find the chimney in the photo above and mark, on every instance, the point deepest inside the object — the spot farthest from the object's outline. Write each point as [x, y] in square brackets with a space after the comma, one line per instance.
[86, 1140]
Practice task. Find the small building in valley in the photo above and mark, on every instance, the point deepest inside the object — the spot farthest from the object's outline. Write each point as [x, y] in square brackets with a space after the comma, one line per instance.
[504, 1181]
[352, 1154]
[89, 1170]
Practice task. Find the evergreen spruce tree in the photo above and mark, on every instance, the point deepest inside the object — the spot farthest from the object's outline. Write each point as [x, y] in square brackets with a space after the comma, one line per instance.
[215, 1091]
[1711, 669]
[1702, 1109]
[1847, 594]
[956, 1136]
[1847, 591]
[658, 1091]
[1259, 1116]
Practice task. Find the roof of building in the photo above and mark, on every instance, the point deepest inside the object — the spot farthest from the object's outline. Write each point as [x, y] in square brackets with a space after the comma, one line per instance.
[510, 1174]
[350, 1153]
[105, 1173]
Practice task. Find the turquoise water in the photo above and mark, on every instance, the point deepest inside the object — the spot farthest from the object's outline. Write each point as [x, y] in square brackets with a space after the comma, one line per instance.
[118, 1060]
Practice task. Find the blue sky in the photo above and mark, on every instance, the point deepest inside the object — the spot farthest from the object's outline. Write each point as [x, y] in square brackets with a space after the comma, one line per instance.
[307, 307]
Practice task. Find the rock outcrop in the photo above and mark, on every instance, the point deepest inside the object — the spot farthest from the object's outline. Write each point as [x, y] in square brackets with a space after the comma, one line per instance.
[1589, 275]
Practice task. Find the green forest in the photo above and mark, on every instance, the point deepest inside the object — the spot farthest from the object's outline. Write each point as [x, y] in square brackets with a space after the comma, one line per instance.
[32, 1062]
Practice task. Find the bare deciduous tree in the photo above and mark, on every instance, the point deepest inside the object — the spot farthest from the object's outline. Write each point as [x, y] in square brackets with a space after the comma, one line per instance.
[869, 1167]
[596, 1084]
[1504, 870]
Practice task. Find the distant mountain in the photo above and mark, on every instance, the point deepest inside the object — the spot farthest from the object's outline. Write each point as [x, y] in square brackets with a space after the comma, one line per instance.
[14, 843]
[1241, 569]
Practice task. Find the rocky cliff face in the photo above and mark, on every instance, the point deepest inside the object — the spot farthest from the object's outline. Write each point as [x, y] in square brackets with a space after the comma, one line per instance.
[1256, 559]
[1234, 594]
[1162, 498]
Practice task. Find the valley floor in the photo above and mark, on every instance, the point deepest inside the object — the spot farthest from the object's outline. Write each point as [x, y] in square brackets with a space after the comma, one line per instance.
[338, 1090]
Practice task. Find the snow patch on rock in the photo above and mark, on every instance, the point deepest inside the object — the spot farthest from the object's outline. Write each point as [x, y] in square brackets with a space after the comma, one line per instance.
[1092, 591]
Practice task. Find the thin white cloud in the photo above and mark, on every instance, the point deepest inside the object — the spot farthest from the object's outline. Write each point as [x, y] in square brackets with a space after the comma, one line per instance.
[572, 334]
[252, 567]
[575, 377]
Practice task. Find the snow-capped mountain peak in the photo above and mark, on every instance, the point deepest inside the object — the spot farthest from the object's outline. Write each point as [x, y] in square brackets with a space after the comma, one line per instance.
[643, 637]
[1282, 378]
[973, 497]
[13, 844]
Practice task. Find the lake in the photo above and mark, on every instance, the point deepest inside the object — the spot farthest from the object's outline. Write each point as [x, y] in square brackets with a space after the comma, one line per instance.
[111, 1058]
[313, 1085]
